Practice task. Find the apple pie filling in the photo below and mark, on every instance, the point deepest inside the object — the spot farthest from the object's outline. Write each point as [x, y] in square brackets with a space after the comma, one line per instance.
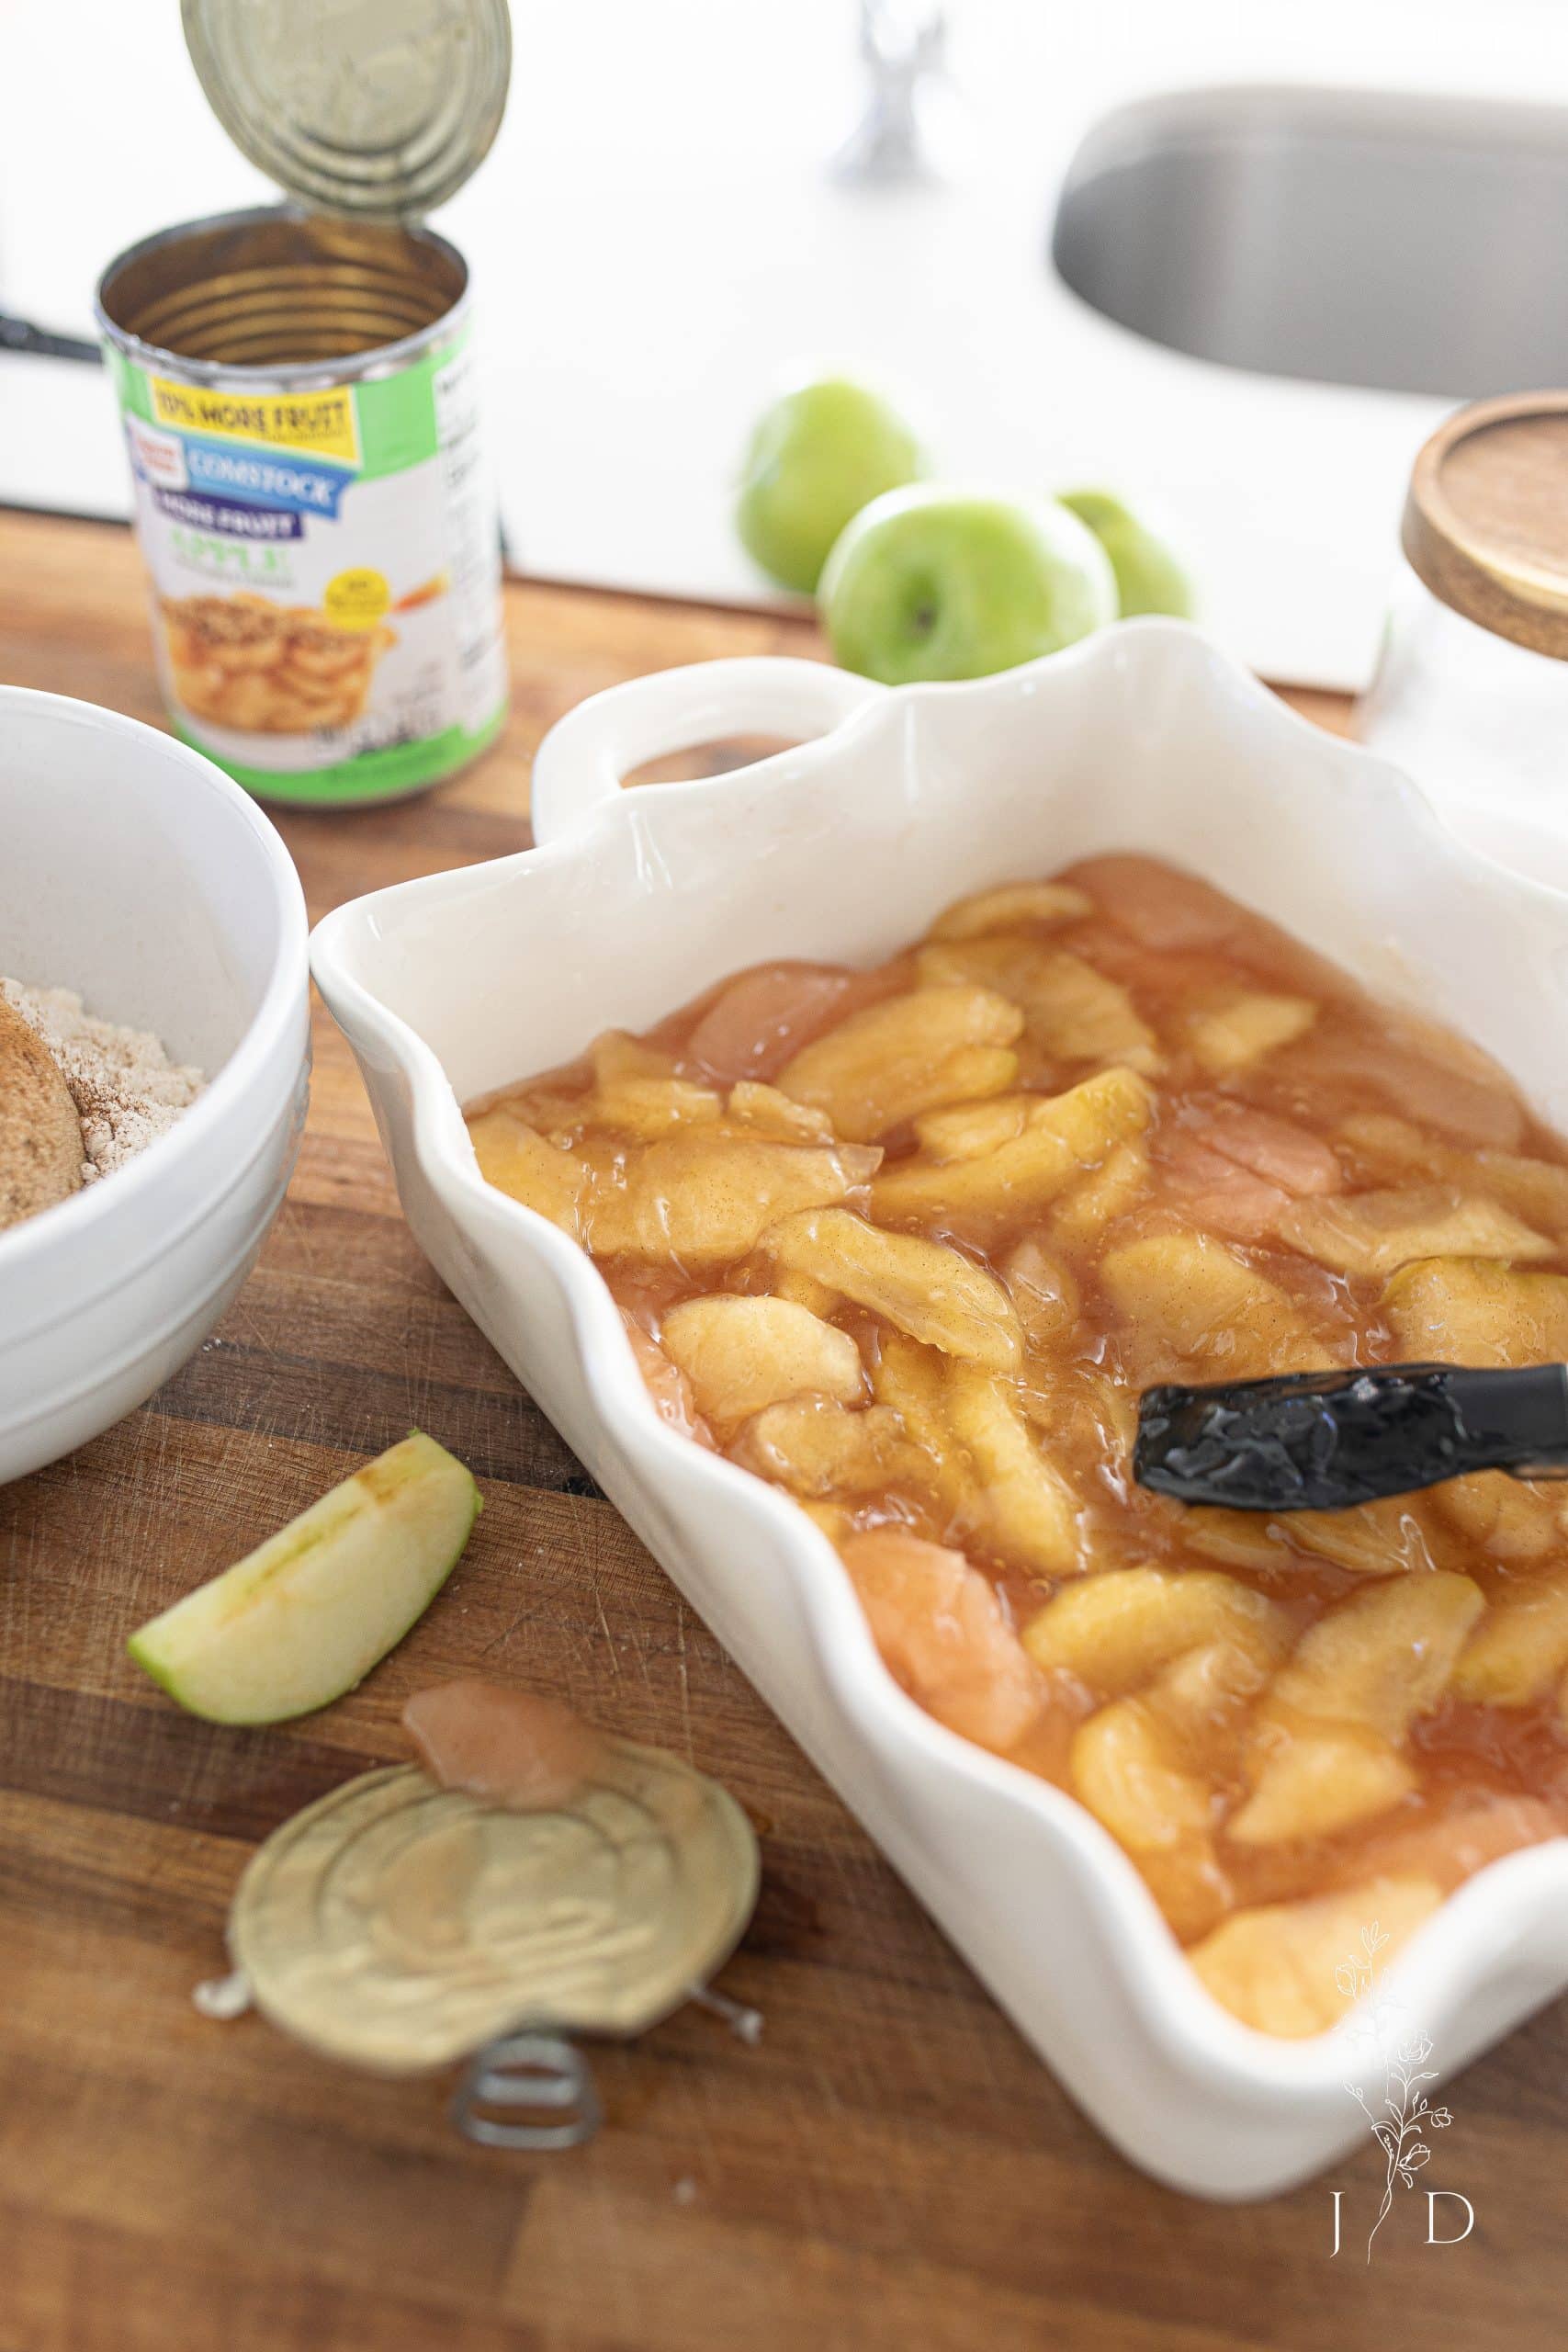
[909, 1242]
[268, 668]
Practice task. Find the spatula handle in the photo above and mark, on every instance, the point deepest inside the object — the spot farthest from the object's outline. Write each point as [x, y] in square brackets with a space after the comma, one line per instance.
[1332, 1441]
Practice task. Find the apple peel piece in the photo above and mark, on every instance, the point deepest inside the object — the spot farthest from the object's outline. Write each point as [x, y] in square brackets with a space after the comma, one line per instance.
[520, 1750]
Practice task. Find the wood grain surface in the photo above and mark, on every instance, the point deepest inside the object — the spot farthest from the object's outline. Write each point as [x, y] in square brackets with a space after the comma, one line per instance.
[890, 2166]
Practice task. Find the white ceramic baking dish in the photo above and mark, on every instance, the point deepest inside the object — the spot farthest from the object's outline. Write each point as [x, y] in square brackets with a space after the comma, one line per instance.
[1144, 737]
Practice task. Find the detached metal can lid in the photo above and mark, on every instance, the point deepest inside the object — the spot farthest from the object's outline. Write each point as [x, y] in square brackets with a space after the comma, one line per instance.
[1487, 521]
[371, 109]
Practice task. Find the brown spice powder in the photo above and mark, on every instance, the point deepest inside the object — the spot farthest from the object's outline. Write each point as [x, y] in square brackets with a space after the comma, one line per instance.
[127, 1091]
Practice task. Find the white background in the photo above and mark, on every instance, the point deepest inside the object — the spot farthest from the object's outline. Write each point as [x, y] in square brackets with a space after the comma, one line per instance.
[657, 239]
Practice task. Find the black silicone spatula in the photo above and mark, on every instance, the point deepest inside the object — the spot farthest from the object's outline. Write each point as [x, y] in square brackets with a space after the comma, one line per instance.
[1328, 1440]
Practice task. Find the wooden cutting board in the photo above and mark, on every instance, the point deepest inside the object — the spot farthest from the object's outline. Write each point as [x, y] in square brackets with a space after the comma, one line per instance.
[890, 2166]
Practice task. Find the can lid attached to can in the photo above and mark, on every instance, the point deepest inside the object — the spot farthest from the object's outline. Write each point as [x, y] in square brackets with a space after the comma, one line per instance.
[371, 109]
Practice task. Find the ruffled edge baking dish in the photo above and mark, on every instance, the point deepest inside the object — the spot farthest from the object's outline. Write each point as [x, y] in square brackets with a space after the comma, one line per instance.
[1144, 737]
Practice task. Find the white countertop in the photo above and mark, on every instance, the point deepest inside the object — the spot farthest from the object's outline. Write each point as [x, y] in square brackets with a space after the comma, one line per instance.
[656, 238]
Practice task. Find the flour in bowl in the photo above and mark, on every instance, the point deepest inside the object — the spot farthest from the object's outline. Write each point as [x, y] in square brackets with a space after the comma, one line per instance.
[127, 1091]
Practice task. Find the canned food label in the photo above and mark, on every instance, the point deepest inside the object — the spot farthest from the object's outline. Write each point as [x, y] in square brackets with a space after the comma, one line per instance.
[323, 422]
[325, 574]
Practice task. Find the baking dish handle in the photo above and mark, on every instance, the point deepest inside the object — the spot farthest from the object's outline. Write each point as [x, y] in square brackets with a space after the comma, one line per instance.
[582, 759]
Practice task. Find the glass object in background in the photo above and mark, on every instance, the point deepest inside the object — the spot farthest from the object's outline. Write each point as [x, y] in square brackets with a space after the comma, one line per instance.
[1471, 691]
[905, 134]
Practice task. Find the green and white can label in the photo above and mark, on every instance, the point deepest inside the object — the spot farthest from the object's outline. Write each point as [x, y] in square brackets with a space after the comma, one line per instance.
[325, 573]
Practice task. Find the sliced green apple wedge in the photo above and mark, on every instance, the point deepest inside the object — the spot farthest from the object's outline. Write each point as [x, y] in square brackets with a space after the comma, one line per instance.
[305, 1616]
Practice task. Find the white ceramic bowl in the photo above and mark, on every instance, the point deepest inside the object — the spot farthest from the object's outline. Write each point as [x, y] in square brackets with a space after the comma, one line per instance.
[133, 871]
[1145, 737]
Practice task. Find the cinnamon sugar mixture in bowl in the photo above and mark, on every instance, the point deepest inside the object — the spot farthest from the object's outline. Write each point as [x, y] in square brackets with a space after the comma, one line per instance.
[127, 1091]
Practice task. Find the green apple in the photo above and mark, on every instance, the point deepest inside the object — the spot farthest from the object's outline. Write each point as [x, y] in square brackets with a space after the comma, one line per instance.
[823, 451]
[933, 583]
[1149, 579]
[305, 1616]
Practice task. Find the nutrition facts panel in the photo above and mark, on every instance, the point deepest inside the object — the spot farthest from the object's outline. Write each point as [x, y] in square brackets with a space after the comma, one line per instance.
[474, 553]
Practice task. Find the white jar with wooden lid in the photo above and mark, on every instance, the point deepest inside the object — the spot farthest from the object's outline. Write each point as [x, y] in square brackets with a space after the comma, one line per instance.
[1471, 694]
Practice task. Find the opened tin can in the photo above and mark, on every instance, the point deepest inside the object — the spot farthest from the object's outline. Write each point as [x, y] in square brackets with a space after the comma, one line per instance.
[298, 388]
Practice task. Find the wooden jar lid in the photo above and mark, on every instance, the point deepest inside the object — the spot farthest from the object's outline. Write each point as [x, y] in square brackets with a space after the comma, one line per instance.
[1487, 520]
